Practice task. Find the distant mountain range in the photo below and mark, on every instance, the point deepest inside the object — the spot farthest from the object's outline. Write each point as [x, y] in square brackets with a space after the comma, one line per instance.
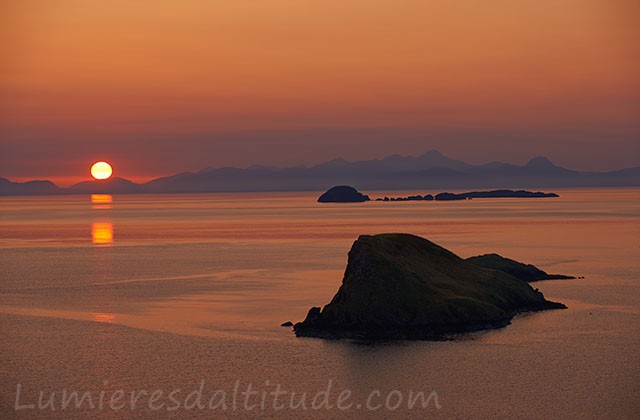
[432, 170]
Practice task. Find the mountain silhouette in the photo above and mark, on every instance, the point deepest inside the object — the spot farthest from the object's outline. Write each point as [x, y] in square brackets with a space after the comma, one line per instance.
[431, 170]
[540, 162]
[36, 187]
[113, 185]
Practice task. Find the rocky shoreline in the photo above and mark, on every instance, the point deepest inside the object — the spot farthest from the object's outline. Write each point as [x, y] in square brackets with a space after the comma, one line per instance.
[400, 286]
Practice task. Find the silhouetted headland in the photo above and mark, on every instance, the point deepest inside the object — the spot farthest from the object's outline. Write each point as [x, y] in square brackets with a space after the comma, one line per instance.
[342, 194]
[401, 286]
[522, 271]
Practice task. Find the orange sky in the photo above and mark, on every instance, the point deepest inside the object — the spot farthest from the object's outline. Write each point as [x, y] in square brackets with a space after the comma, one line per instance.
[163, 86]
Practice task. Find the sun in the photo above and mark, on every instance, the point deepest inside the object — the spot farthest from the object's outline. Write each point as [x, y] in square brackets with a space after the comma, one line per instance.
[101, 170]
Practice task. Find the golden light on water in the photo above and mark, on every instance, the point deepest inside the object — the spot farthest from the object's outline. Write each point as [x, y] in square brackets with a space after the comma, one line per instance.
[101, 170]
[101, 201]
[103, 317]
[101, 198]
[102, 233]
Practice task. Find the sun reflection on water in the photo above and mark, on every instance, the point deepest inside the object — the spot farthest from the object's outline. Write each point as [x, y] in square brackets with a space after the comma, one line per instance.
[101, 201]
[103, 317]
[102, 233]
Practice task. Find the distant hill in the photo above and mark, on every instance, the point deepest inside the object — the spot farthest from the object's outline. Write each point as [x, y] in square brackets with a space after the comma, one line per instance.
[431, 170]
[27, 188]
[113, 185]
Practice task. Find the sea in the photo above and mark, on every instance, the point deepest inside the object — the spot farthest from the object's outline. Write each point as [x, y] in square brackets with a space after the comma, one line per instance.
[170, 306]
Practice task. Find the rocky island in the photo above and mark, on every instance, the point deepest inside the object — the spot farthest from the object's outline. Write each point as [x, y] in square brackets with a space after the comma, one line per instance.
[347, 194]
[525, 272]
[446, 196]
[401, 286]
[342, 194]
[418, 197]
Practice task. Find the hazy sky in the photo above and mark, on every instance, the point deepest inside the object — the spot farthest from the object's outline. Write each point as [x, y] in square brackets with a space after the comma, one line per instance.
[157, 87]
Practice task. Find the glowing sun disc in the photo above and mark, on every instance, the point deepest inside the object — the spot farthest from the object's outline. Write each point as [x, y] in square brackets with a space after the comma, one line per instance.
[101, 170]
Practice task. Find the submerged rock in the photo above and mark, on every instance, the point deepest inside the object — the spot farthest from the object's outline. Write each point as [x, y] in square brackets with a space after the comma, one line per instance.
[400, 286]
[342, 194]
[525, 272]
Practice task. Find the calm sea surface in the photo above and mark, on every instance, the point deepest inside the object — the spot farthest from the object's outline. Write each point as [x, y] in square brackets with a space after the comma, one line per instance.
[185, 294]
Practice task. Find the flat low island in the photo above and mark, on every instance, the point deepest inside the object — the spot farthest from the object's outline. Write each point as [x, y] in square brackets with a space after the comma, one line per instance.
[348, 194]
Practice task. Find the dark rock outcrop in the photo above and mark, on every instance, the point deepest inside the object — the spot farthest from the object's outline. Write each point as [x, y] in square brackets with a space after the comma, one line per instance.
[525, 272]
[400, 286]
[342, 194]
[445, 196]
[418, 197]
